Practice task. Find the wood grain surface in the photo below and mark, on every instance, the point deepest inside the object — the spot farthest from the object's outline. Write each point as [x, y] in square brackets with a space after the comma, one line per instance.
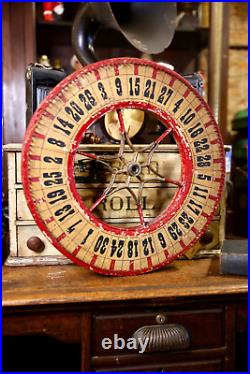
[73, 284]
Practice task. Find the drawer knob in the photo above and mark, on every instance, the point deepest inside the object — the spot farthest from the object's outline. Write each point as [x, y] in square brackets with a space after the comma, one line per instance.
[160, 319]
[35, 244]
[207, 237]
[169, 337]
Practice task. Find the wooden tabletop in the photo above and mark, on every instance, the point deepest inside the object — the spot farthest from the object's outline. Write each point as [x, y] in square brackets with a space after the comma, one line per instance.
[39, 285]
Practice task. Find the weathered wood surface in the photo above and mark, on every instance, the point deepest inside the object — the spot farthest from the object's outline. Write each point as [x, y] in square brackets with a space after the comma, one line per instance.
[73, 284]
[238, 27]
[237, 83]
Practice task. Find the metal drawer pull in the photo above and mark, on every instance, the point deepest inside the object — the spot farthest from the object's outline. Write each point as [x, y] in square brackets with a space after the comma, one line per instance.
[34, 243]
[168, 337]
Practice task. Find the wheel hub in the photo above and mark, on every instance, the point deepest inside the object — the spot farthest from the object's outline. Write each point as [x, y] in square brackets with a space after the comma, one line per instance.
[134, 169]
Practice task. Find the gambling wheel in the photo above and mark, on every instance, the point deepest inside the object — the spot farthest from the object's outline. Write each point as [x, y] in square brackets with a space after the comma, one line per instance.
[50, 148]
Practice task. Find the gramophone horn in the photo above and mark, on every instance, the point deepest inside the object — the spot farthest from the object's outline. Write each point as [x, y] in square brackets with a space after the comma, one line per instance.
[149, 27]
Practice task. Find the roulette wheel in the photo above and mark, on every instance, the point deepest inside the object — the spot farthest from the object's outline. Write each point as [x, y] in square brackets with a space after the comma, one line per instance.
[51, 145]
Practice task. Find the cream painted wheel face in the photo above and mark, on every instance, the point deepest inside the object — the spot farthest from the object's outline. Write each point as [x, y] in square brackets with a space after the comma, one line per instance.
[133, 121]
[50, 148]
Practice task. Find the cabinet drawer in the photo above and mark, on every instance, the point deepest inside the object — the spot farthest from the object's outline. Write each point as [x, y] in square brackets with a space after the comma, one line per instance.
[23, 212]
[205, 327]
[181, 366]
[24, 233]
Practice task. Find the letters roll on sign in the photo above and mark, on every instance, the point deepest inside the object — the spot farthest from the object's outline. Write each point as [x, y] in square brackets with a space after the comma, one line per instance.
[50, 148]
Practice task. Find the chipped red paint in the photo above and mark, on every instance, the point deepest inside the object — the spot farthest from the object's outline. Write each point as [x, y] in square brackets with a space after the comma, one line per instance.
[209, 123]
[35, 157]
[48, 115]
[48, 220]
[166, 253]
[195, 230]
[94, 258]
[131, 266]
[186, 93]
[62, 97]
[219, 160]
[61, 237]
[215, 141]
[38, 135]
[97, 75]
[34, 179]
[154, 73]
[39, 201]
[171, 83]
[149, 260]
[112, 265]
[218, 180]
[199, 107]
[76, 250]
[116, 69]
[183, 245]
[205, 215]
[211, 197]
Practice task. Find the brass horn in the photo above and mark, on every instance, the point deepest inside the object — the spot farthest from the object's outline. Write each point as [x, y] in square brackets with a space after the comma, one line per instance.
[149, 27]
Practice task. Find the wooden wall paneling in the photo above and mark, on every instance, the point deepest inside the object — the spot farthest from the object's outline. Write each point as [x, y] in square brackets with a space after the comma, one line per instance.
[7, 79]
[237, 83]
[18, 51]
[238, 35]
[18, 48]
[224, 78]
[238, 60]
[218, 64]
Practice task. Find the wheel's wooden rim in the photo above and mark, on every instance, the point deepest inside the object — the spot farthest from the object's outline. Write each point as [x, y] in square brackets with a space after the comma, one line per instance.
[60, 96]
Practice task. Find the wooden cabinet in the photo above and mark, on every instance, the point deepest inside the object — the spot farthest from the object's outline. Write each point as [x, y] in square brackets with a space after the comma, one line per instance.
[30, 246]
[75, 306]
[205, 328]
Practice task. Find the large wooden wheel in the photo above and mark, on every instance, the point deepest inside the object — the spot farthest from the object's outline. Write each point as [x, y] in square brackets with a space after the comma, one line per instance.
[51, 143]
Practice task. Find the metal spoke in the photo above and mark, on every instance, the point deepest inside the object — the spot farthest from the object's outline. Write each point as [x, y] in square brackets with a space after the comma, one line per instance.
[152, 147]
[98, 201]
[139, 202]
[123, 131]
[140, 213]
[89, 155]
[121, 122]
[104, 194]
[163, 135]
[154, 144]
[122, 145]
[107, 157]
[123, 168]
[100, 159]
[130, 144]
[167, 180]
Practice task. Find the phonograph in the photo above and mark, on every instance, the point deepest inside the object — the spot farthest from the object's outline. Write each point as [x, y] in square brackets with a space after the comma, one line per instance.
[146, 193]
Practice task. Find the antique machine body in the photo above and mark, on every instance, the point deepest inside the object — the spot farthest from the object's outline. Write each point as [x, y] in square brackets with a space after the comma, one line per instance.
[29, 246]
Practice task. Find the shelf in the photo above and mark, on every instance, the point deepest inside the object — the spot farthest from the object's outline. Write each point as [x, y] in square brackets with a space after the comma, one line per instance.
[55, 23]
